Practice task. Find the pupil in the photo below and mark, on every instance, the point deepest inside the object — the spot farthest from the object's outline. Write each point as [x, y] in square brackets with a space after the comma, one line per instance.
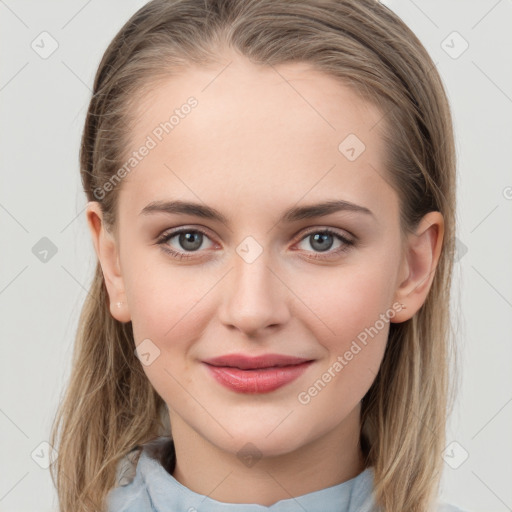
[190, 238]
[321, 238]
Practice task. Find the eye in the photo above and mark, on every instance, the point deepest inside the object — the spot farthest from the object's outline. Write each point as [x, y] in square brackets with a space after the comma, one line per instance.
[321, 240]
[188, 240]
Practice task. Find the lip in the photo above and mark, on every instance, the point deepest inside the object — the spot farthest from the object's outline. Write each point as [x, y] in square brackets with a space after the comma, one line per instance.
[260, 374]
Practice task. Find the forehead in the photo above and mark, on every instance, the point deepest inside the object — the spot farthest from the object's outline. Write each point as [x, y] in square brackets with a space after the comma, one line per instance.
[257, 136]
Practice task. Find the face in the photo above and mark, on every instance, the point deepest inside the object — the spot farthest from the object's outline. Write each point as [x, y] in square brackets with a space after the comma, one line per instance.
[256, 281]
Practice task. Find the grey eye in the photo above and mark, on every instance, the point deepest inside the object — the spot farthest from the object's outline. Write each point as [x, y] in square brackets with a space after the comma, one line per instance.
[321, 241]
[190, 240]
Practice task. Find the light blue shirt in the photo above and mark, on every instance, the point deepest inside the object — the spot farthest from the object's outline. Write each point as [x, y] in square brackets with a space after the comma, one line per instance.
[149, 487]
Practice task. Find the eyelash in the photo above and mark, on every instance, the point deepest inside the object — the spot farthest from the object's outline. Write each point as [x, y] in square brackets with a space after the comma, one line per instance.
[347, 244]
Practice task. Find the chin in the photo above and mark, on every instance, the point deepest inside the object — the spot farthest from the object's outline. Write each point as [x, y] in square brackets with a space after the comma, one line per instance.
[255, 443]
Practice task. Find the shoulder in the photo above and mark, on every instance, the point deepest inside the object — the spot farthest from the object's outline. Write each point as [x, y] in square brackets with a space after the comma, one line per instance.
[130, 493]
[363, 498]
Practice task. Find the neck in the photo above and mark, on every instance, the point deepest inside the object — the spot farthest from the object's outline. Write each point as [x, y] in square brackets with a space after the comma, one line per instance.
[207, 469]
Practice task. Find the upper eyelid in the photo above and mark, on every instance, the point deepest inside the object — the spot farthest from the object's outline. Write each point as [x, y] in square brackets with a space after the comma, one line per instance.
[336, 231]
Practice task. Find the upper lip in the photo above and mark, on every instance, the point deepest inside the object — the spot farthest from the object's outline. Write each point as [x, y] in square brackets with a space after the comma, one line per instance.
[251, 362]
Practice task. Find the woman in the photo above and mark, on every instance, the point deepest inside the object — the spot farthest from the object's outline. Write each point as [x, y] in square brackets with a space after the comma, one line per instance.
[271, 191]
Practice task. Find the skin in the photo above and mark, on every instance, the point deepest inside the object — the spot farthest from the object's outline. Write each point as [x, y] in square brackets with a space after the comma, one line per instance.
[255, 146]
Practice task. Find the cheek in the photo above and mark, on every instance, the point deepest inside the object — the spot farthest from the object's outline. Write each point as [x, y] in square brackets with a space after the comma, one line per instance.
[166, 308]
[348, 299]
[357, 315]
[163, 298]
[171, 308]
[353, 309]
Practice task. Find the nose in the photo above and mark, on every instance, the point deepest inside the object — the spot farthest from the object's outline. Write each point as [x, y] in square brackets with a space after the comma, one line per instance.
[254, 298]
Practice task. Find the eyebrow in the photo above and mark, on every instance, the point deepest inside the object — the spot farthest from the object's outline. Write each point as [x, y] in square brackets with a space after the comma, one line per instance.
[291, 215]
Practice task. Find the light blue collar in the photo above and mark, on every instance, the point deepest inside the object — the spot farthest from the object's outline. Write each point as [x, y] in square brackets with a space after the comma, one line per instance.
[153, 489]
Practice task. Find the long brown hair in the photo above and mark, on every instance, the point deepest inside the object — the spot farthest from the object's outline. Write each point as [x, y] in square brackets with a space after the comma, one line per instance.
[110, 406]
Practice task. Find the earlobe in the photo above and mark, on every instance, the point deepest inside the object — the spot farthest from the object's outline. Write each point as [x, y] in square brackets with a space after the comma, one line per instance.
[419, 265]
[106, 250]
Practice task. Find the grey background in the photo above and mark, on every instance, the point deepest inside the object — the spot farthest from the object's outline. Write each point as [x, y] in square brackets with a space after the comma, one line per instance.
[43, 103]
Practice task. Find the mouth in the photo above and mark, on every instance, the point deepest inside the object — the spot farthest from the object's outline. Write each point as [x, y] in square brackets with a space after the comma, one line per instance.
[261, 374]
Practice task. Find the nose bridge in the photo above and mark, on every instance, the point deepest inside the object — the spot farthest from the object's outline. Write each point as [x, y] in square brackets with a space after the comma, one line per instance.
[255, 297]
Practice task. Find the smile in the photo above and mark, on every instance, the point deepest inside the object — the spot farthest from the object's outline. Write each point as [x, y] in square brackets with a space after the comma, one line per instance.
[250, 375]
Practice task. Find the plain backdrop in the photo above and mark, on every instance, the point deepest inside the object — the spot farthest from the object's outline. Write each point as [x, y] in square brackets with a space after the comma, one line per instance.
[49, 53]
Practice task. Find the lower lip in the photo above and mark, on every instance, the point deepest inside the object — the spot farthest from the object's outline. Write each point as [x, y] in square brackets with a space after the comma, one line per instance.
[262, 380]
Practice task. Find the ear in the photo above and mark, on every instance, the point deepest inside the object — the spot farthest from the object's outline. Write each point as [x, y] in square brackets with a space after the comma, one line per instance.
[419, 263]
[106, 248]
